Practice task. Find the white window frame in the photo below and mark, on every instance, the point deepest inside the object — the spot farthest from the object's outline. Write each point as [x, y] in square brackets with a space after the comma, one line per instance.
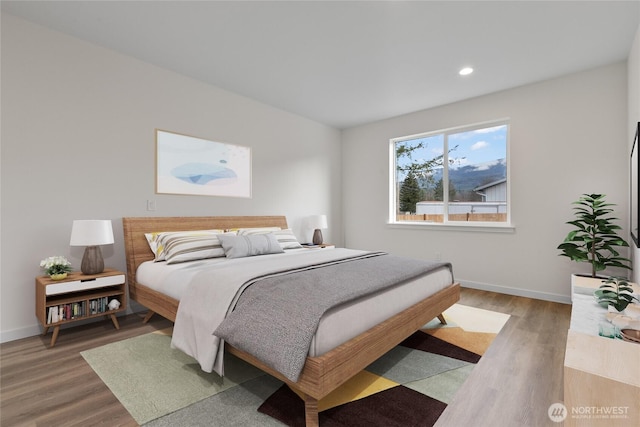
[447, 224]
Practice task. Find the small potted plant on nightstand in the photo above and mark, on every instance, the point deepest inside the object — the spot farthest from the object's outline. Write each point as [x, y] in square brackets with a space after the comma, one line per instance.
[615, 292]
[594, 239]
[56, 267]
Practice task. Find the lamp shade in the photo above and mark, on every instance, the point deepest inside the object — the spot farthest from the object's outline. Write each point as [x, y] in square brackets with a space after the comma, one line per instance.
[91, 232]
[317, 221]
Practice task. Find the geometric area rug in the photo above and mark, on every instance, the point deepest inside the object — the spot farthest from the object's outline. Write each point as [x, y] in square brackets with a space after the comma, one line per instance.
[410, 385]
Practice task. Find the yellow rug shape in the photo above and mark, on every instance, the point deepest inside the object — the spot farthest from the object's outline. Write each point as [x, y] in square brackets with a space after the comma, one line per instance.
[476, 342]
[360, 386]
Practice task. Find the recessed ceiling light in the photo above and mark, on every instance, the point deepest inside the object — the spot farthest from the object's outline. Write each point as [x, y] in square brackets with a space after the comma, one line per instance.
[466, 71]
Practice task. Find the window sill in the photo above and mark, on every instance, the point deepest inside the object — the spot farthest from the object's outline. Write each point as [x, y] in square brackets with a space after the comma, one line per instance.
[481, 227]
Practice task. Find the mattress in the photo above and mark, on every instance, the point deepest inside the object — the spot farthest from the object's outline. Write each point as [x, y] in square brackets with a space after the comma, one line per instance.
[337, 325]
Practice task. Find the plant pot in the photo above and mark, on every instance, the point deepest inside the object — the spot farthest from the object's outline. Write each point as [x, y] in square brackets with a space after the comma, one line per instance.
[612, 309]
[58, 276]
[583, 284]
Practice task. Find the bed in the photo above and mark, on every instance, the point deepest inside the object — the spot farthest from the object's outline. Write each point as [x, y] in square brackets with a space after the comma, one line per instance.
[321, 374]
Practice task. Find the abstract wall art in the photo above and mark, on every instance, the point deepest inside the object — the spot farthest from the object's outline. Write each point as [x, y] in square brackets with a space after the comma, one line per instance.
[196, 166]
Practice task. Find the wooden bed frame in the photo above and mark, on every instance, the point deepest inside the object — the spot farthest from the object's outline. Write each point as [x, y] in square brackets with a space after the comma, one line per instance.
[321, 374]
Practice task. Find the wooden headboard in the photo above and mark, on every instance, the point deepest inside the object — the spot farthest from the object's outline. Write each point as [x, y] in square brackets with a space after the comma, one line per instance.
[137, 248]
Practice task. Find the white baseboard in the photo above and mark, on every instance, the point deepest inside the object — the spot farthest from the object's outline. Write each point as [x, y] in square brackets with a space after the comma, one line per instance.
[31, 331]
[564, 299]
[17, 334]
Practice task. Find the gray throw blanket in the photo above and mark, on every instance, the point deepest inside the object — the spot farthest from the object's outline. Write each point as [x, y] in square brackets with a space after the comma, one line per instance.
[276, 317]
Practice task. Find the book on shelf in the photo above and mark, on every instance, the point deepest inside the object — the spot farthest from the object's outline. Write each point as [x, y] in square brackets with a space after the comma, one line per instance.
[54, 314]
[77, 310]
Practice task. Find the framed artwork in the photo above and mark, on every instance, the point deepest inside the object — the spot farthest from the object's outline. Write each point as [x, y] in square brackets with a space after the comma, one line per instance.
[635, 190]
[196, 166]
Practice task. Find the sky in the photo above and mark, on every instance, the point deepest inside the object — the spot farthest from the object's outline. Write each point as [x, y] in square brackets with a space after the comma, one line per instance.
[473, 147]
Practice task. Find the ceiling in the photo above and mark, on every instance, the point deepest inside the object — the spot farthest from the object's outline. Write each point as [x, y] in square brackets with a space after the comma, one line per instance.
[345, 63]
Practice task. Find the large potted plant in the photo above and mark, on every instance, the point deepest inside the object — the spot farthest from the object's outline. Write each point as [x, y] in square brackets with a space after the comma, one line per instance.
[594, 239]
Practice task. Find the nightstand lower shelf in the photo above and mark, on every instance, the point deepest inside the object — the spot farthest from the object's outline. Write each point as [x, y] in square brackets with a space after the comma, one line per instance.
[56, 328]
[79, 297]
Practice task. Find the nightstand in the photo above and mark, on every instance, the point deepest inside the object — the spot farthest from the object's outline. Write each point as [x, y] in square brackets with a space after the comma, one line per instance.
[320, 246]
[78, 297]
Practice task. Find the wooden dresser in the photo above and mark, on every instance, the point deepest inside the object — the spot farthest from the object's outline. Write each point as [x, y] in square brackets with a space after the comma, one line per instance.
[601, 375]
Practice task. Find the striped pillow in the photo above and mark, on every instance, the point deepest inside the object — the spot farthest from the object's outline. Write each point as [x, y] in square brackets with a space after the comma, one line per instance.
[285, 238]
[158, 240]
[190, 248]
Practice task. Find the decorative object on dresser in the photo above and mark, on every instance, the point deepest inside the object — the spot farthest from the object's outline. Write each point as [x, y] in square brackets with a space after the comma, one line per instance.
[57, 267]
[630, 335]
[615, 292]
[92, 233]
[317, 223]
[79, 296]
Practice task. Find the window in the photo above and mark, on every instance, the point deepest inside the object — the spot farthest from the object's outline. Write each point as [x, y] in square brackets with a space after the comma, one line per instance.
[470, 162]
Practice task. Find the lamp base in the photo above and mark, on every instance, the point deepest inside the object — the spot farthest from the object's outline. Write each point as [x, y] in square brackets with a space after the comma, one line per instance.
[317, 237]
[92, 262]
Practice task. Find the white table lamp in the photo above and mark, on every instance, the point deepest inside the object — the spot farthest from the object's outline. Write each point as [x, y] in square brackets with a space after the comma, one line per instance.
[317, 222]
[92, 233]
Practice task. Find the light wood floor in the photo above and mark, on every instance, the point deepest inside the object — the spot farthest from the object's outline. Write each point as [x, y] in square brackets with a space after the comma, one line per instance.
[520, 375]
[513, 385]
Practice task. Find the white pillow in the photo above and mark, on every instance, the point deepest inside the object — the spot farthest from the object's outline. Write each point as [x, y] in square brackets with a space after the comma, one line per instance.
[236, 246]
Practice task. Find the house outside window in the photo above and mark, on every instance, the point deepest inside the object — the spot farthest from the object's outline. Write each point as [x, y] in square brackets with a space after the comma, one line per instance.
[470, 162]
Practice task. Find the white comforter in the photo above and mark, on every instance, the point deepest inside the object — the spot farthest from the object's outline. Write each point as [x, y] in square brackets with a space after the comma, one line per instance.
[214, 289]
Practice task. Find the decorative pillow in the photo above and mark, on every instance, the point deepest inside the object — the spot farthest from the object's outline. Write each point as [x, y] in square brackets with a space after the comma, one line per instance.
[236, 246]
[158, 240]
[286, 238]
[191, 248]
[152, 239]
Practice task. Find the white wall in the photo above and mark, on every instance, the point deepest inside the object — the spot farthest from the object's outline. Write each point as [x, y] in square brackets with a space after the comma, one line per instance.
[568, 136]
[78, 129]
[633, 73]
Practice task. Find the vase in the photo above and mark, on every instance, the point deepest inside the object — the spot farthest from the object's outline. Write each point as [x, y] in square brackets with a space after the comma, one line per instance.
[58, 276]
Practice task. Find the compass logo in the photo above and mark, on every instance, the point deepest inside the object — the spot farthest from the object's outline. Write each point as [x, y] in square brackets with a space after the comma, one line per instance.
[557, 412]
